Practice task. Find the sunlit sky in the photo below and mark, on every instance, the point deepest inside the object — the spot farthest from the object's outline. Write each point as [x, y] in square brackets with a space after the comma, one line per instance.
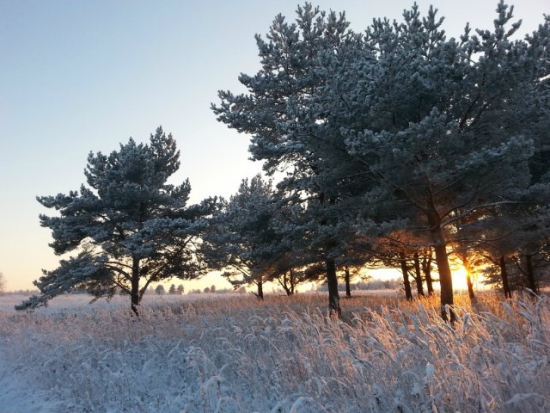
[81, 76]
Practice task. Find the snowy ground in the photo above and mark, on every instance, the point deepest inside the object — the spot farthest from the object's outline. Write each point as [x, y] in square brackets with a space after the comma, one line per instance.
[234, 354]
[21, 393]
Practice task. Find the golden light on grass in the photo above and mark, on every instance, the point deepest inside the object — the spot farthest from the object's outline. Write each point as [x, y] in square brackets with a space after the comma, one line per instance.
[234, 353]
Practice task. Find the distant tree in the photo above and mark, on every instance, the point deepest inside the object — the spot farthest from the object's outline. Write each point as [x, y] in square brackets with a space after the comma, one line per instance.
[128, 225]
[212, 288]
[206, 290]
[172, 290]
[289, 276]
[180, 289]
[388, 284]
[2, 283]
[160, 290]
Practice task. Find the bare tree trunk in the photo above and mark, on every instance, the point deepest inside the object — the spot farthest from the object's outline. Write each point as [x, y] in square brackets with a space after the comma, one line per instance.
[332, 278]
[287, 282]
[260, 284]
[427, 269]
[418, 278]
[406, 281]
[445, 275]
[347, 279]
[291, 282]
[530, 273]
[441, 259]
[470, 285]
[469, 282]
[504, 276]
[134, 290]
[333, 296]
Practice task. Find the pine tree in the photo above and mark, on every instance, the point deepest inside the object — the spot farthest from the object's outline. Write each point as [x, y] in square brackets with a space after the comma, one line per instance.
[127, 225]
[290, 74]
[242, 240]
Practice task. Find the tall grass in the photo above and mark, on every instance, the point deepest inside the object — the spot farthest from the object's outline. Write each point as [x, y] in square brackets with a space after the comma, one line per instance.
[284, 355]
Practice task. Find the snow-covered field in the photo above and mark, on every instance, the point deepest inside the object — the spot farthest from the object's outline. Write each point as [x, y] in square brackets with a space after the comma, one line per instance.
[231, 353]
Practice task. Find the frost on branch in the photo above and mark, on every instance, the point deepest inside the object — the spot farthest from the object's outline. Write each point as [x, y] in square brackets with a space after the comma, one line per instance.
[73, 274]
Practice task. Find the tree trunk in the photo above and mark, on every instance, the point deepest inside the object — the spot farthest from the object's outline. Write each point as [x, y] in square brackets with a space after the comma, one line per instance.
[406, 281]
[470, 285]
[530, 273]
[134, 291]
[418, 279]
[347, 278]
[445, 275]
[427, 269]
[332, 278]
[504, 276]
[469, 282]
[260, 284]
[289, 282]
[333, 296]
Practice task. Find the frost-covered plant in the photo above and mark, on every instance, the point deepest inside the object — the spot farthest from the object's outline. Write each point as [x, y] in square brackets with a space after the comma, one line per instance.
[232, 355]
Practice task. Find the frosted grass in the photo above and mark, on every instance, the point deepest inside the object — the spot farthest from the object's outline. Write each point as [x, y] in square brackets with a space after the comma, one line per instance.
[234, 354]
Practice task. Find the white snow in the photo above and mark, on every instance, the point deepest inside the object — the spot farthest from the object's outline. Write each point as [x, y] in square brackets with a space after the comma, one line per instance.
[21, 393]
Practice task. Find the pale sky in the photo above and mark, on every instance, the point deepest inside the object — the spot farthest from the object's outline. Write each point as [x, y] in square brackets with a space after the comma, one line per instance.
[81, 76]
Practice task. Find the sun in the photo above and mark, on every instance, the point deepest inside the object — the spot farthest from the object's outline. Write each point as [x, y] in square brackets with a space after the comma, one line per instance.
[460, 279]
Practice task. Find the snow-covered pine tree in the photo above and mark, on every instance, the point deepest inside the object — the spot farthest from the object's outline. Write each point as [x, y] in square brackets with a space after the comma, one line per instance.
[416, 130]
[445, 128]
[242, 240]
[128, 226]
[289, 76]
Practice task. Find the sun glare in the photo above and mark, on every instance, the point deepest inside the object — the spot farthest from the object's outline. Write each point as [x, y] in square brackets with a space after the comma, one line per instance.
[460, 279]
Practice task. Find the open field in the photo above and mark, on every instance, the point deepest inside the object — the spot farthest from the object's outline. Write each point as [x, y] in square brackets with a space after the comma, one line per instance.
[232, 353]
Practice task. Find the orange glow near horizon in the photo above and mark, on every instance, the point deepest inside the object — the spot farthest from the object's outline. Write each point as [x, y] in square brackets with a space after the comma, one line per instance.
[460, 282]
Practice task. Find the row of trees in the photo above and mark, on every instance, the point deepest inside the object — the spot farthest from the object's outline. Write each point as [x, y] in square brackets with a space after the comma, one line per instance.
[173, 290]
[398, 141]
[396, 147]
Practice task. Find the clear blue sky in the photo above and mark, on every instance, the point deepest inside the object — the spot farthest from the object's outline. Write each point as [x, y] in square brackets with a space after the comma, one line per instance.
[81, 76]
